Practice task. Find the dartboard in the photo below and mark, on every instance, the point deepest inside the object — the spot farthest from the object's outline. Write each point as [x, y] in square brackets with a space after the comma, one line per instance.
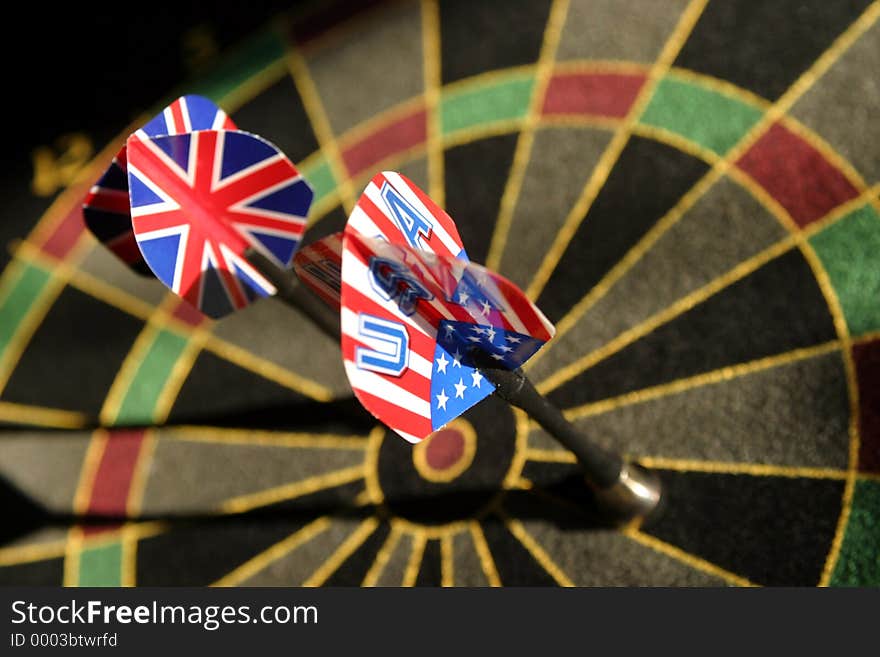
[688, 190]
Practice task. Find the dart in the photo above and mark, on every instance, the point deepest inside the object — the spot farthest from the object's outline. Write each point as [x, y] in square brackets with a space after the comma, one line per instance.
[217, 215]
[426, 334]
[188, 194]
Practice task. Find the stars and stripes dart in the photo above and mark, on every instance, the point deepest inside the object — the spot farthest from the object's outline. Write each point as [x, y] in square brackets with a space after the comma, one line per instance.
[426, 334]
[197, 195]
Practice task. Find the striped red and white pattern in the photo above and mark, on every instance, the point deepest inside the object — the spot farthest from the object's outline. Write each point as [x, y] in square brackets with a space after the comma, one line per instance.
[372, 216]
[319, 267]
[454, 293]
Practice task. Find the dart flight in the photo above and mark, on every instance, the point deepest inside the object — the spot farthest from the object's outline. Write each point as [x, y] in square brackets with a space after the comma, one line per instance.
[417, 318]
[189, 195]
[106, 208]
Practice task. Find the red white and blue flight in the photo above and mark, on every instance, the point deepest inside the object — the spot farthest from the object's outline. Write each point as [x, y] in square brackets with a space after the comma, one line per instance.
[189, 195]
[106, 208]
[417, 318]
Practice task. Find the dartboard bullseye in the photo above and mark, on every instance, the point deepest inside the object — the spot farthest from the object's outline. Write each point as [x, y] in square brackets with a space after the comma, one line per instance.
[689, 191]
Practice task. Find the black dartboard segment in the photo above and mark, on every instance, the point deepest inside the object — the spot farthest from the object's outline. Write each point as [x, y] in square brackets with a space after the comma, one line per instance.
[647, 180]
[475, 177]
[72, 359]
[779, 308]
[773, 530]
[774, 42]
[476, 37]
[355, 568]
[290, 129]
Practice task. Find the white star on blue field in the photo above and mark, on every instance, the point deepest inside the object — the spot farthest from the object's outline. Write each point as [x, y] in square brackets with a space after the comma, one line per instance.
[456, 384]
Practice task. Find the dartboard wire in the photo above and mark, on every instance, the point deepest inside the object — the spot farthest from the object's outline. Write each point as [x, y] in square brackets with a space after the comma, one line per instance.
[381, 561]
[19, 554]
[278, 551]
[753, 469]
[76, 541]
[314, 107]
[137, 487]
[603, 168]
[684, 557]
[447, 562]
[41, 416]
[534, 548]
[865, 338]
[288, 439]
[870, 196]
[431, 71]
[684, 145]
[37, 311]
[711, 288]
[484, 554]
[525, 141]
[414, 565]
[289, 491]
[725, 166]
[842, 329]
[136, 307]
[542, 455]
[75, 535]
[357, 538]
[721, 86]
[681, 306]
[723, 374]
[57, 276]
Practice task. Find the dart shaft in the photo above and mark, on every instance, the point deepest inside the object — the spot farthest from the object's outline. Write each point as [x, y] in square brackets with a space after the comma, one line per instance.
[601, 467]
[296, 295]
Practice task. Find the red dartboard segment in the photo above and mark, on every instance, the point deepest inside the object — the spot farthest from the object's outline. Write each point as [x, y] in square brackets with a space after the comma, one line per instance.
[114, 476]
[867, 361]
[796, 175]
[607, 95]
[402, 135]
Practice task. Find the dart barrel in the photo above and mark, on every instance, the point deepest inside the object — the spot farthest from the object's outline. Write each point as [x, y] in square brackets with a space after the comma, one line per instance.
[623, 490]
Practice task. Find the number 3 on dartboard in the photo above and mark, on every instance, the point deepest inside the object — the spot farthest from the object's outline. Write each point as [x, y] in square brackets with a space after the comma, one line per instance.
[388, 351]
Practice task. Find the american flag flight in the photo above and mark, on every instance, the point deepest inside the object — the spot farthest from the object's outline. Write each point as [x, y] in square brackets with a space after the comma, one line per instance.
[199, 200]
[417, 317]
